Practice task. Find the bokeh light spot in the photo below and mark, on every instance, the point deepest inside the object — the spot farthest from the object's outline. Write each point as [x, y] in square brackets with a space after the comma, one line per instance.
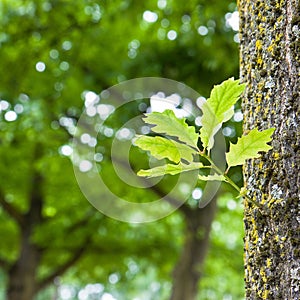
[18, 108]
[161, 4]
[150, 16]
[85, 166]
[10, 116]
[66, 150]
[197, 193]
[4, 105]
[172, 35]
[40, 66]
[202, 30]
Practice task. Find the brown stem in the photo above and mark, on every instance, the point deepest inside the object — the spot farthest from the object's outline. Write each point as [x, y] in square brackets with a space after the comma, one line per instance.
[11, 210]
[64, 267]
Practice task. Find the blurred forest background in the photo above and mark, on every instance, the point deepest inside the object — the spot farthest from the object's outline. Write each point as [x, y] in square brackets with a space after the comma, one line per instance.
[55, 54]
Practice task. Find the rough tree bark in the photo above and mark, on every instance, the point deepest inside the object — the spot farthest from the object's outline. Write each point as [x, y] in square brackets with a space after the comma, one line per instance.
[187, 272]
[270, 65]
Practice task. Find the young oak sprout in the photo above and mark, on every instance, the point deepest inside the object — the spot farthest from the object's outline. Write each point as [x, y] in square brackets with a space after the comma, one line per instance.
[216, 110]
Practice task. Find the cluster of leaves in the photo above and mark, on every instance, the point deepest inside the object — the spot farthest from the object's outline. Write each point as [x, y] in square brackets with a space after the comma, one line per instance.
[183, 153]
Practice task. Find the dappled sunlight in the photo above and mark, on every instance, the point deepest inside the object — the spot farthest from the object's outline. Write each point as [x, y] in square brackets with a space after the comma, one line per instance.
[160, 102]
[9, 114]
[232, 20]
[105, 110]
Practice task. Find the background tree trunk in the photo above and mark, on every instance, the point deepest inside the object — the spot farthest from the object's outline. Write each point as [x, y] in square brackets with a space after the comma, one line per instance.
[270, 64]
[187, 272]
[22, 281]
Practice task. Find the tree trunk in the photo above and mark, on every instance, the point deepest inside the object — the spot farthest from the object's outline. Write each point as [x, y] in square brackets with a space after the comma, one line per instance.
[22, 281]
[270, 65]
[188, 270]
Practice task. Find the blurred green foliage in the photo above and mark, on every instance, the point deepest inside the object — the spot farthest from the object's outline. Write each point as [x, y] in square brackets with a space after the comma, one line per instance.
[53, 51]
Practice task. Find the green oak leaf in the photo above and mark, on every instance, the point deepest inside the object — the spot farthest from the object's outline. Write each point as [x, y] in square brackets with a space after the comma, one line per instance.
[228, 114]
[160, 148]
[215, 177]
[169, 169]
[166, 122]
[248, 146]
[218, 109]
[224, 96]
[210, 126]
